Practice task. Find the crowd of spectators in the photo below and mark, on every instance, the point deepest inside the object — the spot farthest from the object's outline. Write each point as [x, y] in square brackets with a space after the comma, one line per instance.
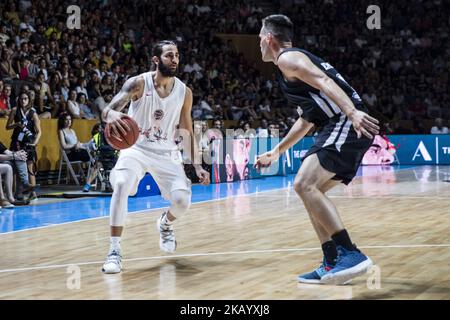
[401, 69]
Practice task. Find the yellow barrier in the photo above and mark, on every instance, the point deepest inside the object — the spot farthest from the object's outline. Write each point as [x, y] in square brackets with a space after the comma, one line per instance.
[48, 147]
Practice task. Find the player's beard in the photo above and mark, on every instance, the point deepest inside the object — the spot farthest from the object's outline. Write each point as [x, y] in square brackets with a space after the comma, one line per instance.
[167, 71]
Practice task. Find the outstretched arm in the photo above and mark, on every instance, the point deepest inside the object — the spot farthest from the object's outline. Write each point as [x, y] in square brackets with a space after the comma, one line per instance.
[298, 65]
[300, 128]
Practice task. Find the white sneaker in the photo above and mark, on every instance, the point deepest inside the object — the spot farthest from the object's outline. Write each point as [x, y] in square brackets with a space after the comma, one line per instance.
[167, 242]
[113, 263]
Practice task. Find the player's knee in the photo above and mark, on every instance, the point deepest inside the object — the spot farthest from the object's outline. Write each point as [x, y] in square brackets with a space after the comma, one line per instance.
[302, 187]
[180, 202]
[121, 183]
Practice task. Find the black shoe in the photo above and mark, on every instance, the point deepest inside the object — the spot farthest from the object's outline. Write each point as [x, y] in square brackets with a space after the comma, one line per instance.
[22, 202]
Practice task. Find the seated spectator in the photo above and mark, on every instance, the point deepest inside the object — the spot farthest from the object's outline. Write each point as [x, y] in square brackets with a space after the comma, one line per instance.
[264, 109]
[106, 84]
[6, 202]
[46, 103]
[17, 161]
[249, 131]
[73, 107]
[218, 131]
[24, 64]
[197, 111]
[7, 71]
[93, 88]
[65, 89]
[87, 111]
[75, 150]
[439, 128]
[43, 115]
[5, 105]
[81, 88]
[236, 111]
[262, 131]
[249, 110]
[5, 100]
[273, 131]
[102, 101]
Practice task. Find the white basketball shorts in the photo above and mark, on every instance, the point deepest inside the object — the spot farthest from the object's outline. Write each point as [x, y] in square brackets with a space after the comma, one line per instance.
[165, 167]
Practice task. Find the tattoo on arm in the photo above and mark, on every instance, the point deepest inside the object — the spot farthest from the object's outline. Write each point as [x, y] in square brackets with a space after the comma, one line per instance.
[129, 89]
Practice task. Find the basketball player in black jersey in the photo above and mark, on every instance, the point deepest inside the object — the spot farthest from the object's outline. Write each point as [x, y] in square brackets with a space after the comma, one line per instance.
[326, 101]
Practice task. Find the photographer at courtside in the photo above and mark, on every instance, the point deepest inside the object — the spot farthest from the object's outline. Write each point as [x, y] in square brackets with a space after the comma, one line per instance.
[27, 132]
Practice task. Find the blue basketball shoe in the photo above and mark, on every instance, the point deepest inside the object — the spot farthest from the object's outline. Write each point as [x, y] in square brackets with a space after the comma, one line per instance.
[349, 264]
[316, 275]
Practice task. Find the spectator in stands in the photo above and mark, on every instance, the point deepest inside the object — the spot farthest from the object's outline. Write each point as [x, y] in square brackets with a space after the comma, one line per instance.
[438, 128]
[23, 68]
[73, 106]
[263, 131]
[87, 111]
[236, 111]
[75, 150]
[273, 131]
[26, 135]
[46, 104]
[7, 71]
[81, 88]
[218, 131]
[106, 84]
[249, 132]
[5, 99]
[32, 95]
[264, 109]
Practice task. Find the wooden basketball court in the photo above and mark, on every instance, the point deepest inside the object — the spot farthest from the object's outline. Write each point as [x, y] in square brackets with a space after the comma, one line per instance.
[250, 246]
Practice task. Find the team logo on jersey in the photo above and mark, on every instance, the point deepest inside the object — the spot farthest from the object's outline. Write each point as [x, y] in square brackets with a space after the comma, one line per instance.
[154, 134]
[158, 114]
[299, 111]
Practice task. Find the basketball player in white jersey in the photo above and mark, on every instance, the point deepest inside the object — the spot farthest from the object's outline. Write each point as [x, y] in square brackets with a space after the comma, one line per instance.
[159, 102]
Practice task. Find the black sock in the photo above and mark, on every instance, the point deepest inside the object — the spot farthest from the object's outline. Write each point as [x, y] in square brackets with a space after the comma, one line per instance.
[330, 252]
[342, 238]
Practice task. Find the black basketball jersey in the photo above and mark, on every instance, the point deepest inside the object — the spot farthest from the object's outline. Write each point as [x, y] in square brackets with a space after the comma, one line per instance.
[316, 106]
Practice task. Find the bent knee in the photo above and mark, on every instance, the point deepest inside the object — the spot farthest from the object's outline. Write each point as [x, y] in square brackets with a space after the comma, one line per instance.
[180, 201]
[122, 180]
[303, 187]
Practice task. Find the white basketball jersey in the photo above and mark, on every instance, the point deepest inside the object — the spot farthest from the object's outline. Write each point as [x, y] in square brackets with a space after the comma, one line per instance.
[157, 117]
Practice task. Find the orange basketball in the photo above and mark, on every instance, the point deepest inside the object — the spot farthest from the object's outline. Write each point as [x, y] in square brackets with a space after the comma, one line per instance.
[128, 139]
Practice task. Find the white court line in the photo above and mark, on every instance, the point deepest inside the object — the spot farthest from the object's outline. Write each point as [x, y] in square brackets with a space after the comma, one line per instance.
[365, 197]
[190, 255]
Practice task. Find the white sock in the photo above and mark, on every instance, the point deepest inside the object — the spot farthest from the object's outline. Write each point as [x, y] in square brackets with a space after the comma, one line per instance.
[114, 244]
